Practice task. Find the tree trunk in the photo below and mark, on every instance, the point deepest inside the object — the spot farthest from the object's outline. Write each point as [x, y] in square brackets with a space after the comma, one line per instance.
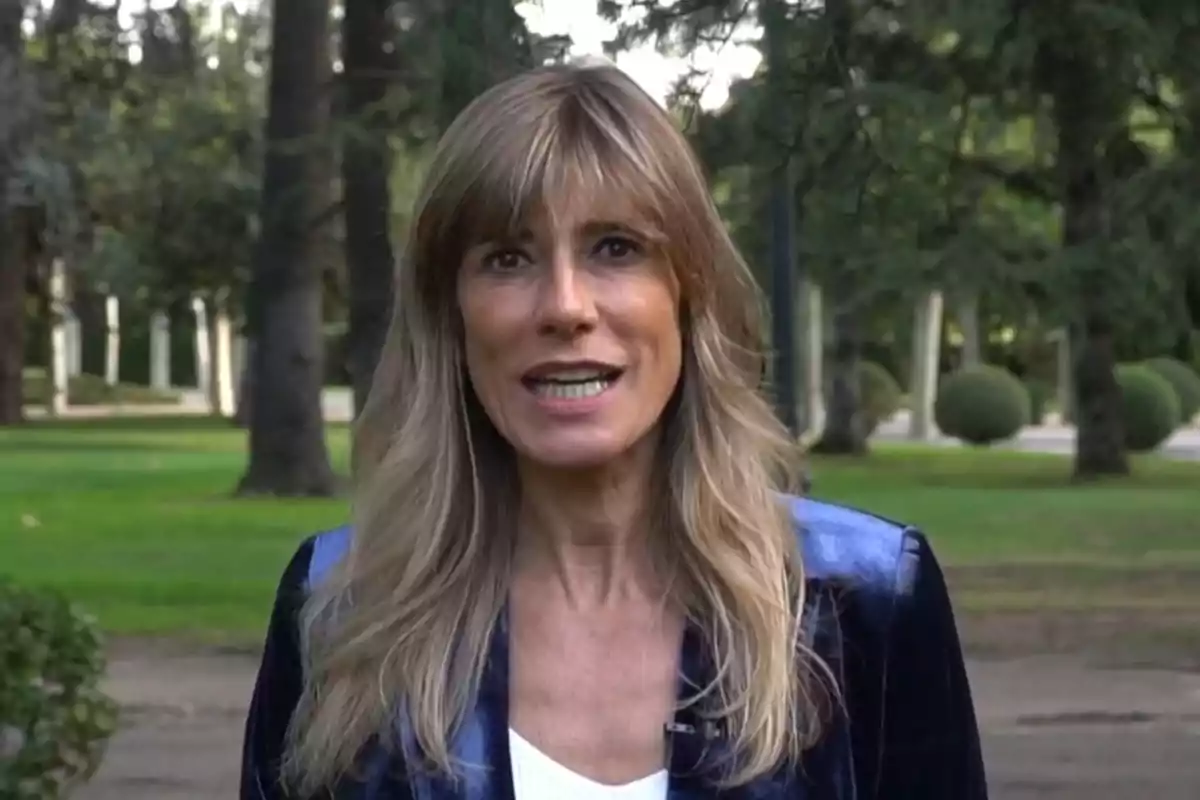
[1064, 375]
[845, 430]
[782, 219]
[967, 314]
[366, 166]
[811, 358]
[926, 365]
[288, 453]
[13, 262]
[245, 395]
[160, 350]
[1100, 431]
[221, 346]
[12, 316]
[1083, 120]
[58, 397]
[112, 341]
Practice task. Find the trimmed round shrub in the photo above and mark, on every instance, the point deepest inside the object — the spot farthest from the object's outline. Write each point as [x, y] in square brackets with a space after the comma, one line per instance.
[879, 395]
[1184, 381]
[54, 720]
[1149, 407]
[981, 405]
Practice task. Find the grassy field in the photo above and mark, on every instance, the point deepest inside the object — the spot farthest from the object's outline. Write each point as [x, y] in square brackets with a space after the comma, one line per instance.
[135, 519]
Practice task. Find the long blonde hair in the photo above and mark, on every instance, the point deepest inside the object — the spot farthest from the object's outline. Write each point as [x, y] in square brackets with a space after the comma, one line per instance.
[405, 620]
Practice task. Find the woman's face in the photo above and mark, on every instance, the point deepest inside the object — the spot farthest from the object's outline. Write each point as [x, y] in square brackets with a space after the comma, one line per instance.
[572, 335]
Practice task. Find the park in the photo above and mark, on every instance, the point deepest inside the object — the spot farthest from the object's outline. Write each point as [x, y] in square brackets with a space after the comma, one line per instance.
[1080, 607]
[976, 242]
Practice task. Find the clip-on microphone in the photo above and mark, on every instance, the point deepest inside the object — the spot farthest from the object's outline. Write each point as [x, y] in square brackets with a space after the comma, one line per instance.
[707, 730]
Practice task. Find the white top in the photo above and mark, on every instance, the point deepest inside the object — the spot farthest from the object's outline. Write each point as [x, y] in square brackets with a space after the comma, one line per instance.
[536, 776]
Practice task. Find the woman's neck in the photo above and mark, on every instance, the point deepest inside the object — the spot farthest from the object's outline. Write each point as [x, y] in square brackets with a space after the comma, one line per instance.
[589, 533]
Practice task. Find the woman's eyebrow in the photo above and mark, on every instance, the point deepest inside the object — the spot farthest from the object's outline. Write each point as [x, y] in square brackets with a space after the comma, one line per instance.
[600, 227]
[523, 236]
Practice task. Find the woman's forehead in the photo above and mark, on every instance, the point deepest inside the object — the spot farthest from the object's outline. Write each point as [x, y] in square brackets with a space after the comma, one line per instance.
[581, 211]
[583, 215]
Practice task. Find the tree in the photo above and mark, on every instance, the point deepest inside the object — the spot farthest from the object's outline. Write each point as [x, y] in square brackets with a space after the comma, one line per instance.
[1014, 150]
[480, 43]
[288, 453]
[1078, 75]
[191, 177]
[15, 96]
[369, 62]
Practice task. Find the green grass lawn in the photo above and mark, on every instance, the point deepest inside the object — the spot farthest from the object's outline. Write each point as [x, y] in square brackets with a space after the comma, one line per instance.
[135, 519]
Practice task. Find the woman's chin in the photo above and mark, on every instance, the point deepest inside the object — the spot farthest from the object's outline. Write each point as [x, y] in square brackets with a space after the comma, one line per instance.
[573, 453]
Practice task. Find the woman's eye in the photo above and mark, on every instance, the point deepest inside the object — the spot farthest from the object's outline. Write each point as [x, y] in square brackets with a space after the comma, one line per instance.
[618, 248]
[504, 260]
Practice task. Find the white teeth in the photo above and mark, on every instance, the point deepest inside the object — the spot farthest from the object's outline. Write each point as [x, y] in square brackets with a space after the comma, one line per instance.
[571, 391]
[576, 375]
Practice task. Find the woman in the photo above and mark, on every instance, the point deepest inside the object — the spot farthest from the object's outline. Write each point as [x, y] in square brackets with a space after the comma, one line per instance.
[574, 570]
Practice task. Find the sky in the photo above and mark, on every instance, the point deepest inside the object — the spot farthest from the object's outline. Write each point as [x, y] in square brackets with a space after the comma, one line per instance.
[578, 18]
[656, 73]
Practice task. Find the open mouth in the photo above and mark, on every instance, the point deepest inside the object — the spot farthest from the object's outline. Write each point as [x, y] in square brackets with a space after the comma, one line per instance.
[573, 384]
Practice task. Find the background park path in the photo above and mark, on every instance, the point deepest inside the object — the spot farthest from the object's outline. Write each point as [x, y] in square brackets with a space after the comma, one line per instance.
[1055, 729]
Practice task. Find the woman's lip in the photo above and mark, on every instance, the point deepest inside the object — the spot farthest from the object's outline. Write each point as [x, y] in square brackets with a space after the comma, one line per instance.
[613, 375]
[547, 370]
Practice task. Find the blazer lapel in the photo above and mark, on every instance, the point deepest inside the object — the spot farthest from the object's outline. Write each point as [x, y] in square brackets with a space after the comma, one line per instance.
[480, 746]
[699, 749]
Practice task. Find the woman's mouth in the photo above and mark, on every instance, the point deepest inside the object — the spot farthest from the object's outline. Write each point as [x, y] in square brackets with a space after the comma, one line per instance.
[572, 384]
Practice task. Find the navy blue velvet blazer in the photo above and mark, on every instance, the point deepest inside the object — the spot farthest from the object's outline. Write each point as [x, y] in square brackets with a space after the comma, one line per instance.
[878, 613]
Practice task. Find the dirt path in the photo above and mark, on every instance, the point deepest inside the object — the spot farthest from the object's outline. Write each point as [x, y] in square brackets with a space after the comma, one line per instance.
[1055, 730]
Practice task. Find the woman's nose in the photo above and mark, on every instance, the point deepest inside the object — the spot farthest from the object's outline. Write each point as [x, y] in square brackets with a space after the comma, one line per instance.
[566, 304]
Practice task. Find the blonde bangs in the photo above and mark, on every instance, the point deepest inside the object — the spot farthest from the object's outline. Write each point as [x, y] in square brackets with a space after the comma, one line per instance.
[535, 161]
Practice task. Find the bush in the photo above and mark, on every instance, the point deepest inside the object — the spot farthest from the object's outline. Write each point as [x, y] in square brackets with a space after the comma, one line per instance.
[1149, 407]
[1184, 381]
[981, 405]
[90, 390]
[879, 394]
[54, 720]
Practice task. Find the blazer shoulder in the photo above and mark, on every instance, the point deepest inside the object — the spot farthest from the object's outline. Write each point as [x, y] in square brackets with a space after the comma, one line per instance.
[327, 549]
[837, 543]
[840, 544]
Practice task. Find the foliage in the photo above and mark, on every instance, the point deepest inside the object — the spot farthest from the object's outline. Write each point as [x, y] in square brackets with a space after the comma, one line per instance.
[1149, 407]
[54, 720]
[879, 395]
[1040, 395]
[148, 170]
[982, 405]
[91, 390]
[408, 169]
[1184, 380]
[1042, 155]
[179, 181]
[444, 56]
